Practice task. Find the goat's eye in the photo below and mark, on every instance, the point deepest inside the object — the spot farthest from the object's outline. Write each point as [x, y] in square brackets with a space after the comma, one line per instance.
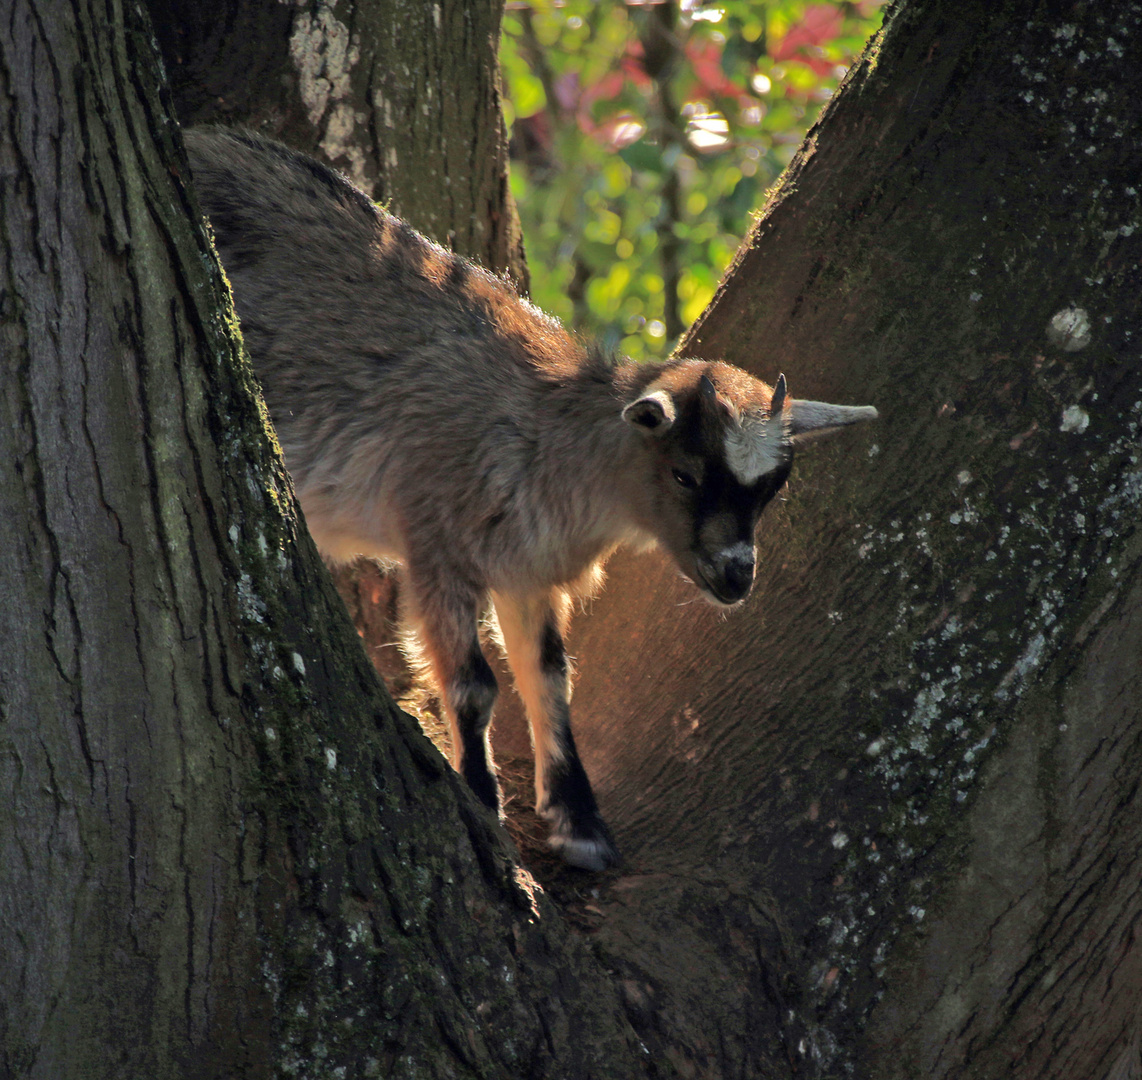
[684, 478]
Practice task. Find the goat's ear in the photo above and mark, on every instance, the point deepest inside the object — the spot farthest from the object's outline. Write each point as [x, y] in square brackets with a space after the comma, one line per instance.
[714, 405]
[652, 413]
[808, 420]
[777, 402]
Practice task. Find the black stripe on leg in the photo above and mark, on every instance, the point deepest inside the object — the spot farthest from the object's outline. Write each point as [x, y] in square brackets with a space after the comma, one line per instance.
[552, 655]
[571, 807]
[569, 792]
[578, 831]
[473, 696]
[567, 785]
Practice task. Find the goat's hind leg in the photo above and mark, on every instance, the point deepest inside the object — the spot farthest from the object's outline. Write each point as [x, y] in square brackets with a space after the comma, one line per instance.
[446, 623]
[532, 629]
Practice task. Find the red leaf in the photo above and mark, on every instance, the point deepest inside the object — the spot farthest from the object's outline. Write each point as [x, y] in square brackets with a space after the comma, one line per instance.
[820, 24]
[608, 87]
[706, 63]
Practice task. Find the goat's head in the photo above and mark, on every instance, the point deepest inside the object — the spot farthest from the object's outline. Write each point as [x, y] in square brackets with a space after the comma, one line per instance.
[721, 446]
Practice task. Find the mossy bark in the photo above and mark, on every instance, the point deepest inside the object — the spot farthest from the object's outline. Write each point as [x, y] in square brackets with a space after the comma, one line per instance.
[224, 851]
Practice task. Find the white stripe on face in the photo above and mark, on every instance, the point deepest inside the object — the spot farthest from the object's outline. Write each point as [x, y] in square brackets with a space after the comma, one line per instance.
[754, 448]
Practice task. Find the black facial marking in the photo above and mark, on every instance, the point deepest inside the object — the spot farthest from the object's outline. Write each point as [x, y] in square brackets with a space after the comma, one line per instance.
[767, 486]
[720, 510]
[721, 492]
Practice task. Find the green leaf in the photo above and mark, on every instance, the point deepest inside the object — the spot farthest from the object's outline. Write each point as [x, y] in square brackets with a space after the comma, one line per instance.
[643, 156]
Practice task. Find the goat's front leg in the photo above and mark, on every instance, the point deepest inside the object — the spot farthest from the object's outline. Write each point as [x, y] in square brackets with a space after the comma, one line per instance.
[532, 629]
[446, 622]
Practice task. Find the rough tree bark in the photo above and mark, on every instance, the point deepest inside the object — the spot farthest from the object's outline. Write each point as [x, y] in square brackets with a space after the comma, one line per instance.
[401, 95]
[222, 851]
[891, 809]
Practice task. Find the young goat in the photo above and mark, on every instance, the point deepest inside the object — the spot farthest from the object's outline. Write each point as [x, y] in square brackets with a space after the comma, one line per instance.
[427, 413]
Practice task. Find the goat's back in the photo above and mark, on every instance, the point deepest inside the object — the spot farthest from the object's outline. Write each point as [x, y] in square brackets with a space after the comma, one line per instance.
[385, 359]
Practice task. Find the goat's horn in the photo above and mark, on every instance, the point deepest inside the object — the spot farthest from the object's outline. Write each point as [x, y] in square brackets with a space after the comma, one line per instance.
[817, 416]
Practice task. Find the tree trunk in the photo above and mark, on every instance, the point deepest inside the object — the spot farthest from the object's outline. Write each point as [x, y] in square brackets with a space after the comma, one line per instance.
[224, 852]
[888, 814]
[402, 96]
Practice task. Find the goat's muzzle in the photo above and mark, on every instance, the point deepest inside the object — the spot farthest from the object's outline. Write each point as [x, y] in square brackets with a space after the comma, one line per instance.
[726, 575]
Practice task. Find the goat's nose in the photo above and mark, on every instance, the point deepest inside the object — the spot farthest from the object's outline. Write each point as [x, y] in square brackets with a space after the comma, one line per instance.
[735, 567]
[739, 575]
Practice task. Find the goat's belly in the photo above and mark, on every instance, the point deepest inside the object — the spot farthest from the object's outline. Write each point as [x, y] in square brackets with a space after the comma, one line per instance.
[523, 568]
[343, 536]
[343, 547]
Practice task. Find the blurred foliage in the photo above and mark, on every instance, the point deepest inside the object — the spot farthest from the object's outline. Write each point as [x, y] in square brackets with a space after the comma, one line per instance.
[644, 137]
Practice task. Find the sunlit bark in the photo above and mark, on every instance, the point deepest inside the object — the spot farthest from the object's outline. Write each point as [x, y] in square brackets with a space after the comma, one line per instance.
[892, 807]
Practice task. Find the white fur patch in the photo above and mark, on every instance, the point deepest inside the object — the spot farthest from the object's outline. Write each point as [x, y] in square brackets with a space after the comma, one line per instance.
[755, 447]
